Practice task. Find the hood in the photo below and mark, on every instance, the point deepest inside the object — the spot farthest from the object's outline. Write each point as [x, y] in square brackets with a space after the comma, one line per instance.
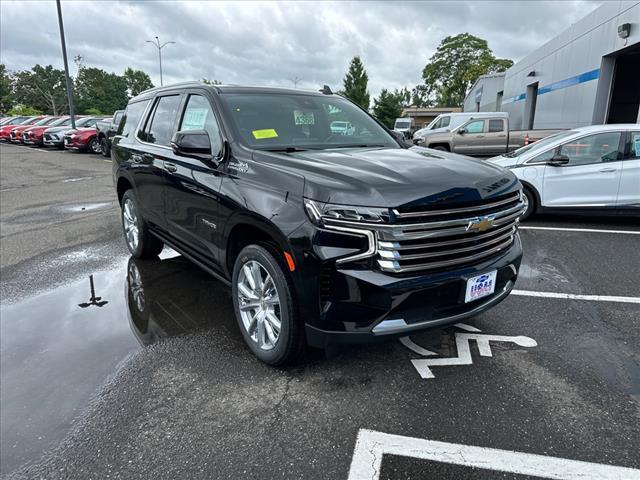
[426, 132]
[58, 129]
[70, 131]
[393, 177]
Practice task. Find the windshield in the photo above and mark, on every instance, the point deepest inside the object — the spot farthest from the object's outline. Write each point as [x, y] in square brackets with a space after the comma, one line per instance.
[28, 121]
[83, 122]
[61, 122]
[403, 123]
[284, 121]
[46, 121]
[540, 144]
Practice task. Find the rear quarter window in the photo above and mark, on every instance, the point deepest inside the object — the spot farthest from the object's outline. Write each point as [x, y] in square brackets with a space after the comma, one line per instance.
[131, 117]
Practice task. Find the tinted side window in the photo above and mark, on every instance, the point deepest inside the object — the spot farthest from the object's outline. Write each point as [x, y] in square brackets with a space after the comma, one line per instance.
[602, 147]
[161, 124]
[475, 127]
[131, 117]
[198, 115]
[444, 122]
[496, 126]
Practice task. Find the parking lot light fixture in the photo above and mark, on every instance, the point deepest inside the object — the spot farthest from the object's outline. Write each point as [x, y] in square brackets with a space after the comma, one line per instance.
[159, 47]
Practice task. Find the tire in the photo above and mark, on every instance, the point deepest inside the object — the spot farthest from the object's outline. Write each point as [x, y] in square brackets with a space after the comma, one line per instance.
[530, 202]
[140, 242]
[94, 146]
[104, 147]
[259, 324]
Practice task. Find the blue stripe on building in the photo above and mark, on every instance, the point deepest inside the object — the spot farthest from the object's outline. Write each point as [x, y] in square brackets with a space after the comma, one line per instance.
[567, 82]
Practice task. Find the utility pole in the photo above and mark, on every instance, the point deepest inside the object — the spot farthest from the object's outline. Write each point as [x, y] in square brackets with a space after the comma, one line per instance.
[159, 47]
[66, 66]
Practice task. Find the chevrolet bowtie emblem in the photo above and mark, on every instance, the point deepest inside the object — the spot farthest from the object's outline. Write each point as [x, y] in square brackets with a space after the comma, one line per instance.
[481, 223]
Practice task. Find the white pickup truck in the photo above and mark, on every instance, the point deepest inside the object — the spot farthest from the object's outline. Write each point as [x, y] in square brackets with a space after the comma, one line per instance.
[481, 134]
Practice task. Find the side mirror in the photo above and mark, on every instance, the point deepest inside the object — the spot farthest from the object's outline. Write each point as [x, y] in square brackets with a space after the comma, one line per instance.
[558, 160]
[193, 144]
[462, 131]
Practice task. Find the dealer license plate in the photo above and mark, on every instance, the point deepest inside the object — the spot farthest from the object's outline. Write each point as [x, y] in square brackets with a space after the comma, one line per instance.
[480, 286]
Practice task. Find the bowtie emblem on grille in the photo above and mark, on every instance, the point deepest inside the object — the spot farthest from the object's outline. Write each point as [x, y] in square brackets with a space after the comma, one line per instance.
[481, 224]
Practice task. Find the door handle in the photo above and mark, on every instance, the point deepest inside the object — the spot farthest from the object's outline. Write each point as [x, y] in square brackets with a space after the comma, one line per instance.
[607, 170]
[170, 167]
[503, 135]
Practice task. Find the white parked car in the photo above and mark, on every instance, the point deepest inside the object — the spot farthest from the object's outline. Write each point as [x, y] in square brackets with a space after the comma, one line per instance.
[588, 168]
[342, 128]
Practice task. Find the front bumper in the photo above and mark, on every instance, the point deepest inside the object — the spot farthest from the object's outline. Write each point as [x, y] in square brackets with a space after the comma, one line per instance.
[74, 143]
[359, 306]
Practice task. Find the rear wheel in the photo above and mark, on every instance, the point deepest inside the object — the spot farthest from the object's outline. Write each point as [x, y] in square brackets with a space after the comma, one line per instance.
[140, 242]
[265, 306]
[529, 202]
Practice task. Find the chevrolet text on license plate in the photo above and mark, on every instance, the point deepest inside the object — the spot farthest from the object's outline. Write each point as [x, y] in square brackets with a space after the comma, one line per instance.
[480, 286]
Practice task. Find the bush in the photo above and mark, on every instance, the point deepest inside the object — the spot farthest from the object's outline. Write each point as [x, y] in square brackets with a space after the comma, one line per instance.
[20, 110]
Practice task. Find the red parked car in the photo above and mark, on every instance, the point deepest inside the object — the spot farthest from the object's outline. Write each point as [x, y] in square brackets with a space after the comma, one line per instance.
[5, 129]
[82, 139]
[15, 136]
[34, 135]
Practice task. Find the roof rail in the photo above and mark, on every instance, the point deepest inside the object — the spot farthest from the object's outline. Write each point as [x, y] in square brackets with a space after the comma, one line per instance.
[180, 84]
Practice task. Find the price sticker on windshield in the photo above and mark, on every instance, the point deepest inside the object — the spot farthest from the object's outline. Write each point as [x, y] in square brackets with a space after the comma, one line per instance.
[303, 118]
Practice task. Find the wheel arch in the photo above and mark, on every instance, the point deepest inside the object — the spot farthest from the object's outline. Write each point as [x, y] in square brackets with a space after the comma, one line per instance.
[529, 186]
[244, 229]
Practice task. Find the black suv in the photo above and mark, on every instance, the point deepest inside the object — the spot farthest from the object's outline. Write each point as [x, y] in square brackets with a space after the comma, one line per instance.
[325, 235]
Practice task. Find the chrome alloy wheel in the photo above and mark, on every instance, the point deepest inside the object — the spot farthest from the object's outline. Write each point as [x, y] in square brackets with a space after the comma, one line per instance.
[259, 305]
[130, 223]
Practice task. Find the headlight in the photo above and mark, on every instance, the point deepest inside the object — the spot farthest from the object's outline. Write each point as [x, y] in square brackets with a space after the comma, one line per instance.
[320, 213]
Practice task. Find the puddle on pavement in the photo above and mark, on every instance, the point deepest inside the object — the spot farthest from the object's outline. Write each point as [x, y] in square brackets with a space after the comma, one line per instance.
[58, 348]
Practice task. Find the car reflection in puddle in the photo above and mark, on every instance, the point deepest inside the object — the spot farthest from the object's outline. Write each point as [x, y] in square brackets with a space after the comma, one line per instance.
[173, 297]
[59, 347]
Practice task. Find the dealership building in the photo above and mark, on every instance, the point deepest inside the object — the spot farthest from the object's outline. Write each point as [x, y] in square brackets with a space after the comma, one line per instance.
[589, 74]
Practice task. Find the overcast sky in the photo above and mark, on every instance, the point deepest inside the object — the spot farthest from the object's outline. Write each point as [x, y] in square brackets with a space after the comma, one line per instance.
[272, 43]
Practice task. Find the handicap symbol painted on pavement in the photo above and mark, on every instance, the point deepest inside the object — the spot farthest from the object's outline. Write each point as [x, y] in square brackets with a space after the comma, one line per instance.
[463, 339]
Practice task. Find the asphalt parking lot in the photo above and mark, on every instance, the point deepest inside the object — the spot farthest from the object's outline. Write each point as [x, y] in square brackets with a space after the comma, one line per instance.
[152, 379]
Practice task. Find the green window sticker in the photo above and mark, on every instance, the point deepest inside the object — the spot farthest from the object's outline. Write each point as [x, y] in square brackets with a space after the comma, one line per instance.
[265, 133]
[303, 118]
[195, 118]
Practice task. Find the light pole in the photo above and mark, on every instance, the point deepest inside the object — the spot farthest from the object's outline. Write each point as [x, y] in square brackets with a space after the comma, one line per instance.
[159, 47]
[66, 66]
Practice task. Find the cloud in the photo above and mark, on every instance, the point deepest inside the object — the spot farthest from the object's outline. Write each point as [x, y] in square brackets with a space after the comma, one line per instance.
[271, 43]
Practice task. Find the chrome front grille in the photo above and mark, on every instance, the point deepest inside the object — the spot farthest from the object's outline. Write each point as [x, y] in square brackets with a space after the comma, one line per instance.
[435, 239]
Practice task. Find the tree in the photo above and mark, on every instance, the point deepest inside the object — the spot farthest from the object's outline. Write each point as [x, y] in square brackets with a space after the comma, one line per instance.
[355, 84]
[6, 89]
[42, 88]
[137, 81]
[97, 89]
[387, 107]
[458, 62]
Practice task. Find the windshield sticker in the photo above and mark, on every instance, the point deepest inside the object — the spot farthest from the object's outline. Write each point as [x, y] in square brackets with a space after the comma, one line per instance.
[266, 133]
[303, 118]
[194, 118]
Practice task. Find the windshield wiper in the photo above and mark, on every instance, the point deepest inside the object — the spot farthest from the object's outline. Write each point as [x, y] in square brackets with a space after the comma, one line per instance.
[286, 149]
[357, 145]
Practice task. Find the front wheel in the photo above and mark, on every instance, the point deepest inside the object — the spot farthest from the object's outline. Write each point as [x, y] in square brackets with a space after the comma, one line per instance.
[140, 242]
[265, 306]
[104, 147]
[94, 145]
[529, 200]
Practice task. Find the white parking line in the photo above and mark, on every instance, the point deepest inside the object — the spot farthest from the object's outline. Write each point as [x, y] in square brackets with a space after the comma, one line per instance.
[573, 296]
[372, 445]
[590, 230]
